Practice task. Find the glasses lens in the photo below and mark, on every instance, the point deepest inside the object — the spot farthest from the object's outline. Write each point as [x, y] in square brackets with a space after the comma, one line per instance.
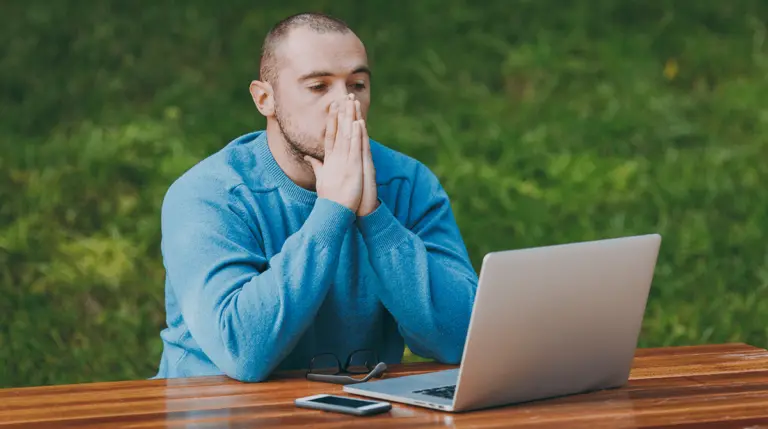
[362, 362]
[326, 364]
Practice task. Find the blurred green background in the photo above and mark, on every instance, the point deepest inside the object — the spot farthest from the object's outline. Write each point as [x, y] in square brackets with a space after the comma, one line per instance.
[547, 121]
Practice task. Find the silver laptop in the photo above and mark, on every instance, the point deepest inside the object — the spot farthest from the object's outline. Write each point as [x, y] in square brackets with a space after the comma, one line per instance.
[546, 322]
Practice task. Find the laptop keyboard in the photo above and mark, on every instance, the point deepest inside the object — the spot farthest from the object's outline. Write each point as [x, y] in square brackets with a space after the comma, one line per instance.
[441, 392]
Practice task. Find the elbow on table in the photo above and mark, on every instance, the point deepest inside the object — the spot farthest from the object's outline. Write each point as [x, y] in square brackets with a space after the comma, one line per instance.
[244, 360]
[450, 355]
[248, 356]
[251, 375]
[450, 348]
[247, 369]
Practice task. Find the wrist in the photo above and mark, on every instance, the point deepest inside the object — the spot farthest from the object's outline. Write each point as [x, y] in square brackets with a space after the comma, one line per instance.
[366, 211]
[381, 230]
[328, 220]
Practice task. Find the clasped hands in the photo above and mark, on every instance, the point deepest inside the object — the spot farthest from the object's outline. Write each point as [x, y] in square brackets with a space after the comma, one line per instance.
[347, 175]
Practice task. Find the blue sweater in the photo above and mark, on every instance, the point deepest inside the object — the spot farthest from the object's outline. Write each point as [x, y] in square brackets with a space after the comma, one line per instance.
[261, 274]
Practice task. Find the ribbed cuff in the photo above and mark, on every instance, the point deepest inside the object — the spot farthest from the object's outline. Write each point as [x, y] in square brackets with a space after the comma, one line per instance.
[329, 221]
[381, 229]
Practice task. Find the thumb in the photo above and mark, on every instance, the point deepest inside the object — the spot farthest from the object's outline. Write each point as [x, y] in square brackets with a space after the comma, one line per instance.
[316, 165]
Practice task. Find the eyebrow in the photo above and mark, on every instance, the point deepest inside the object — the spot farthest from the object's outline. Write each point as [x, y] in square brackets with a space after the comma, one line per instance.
[321, 73]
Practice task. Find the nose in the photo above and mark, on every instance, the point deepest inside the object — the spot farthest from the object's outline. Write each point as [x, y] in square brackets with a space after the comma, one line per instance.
[340, 98]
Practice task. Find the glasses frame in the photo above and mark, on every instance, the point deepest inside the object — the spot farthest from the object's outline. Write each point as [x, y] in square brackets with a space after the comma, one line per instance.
[377, 370]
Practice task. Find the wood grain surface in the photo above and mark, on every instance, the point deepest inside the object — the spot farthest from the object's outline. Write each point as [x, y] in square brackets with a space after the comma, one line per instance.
[713, 386]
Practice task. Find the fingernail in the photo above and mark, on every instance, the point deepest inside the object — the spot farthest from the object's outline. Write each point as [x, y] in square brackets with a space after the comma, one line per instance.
[333, 106]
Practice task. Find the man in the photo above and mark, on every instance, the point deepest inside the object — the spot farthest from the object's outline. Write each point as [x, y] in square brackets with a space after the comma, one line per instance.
[309, 237]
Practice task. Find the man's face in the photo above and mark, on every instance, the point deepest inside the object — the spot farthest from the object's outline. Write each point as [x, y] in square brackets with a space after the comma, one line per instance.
[314, 70]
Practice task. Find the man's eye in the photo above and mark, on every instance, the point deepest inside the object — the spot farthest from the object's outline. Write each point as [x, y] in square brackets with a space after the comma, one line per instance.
[317, 88]
[359, 86]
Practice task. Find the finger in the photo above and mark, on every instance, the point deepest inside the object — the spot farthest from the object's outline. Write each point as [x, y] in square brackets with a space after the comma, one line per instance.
[316, 164]
[341, 144]
[358, 110]
[370, 169]
[350, 115]
[350, 118]
[355, 147]
[346, 123]
[330, 128]
[366, 143]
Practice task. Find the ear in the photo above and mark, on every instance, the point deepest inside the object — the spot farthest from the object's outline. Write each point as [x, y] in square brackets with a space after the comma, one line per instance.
[263, 97]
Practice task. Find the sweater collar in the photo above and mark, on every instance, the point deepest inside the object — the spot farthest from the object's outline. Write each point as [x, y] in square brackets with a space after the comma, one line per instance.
[277, 175]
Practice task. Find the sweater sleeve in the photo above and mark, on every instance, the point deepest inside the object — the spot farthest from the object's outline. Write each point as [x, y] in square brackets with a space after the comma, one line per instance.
[428, 282]
[245, 311]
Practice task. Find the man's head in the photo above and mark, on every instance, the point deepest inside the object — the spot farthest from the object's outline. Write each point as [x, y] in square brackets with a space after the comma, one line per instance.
[308, 61]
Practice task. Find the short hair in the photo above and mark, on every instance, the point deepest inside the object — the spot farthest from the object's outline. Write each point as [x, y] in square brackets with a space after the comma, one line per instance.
[316, 21]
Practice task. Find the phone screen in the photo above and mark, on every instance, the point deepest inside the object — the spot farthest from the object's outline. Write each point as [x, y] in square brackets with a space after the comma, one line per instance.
[344, 402]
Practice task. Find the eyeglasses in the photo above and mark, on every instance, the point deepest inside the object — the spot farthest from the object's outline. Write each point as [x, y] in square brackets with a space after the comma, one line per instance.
[326, 367]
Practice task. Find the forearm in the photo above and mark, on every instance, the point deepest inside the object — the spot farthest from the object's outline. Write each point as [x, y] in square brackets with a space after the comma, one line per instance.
[429, 288]
[247, 320]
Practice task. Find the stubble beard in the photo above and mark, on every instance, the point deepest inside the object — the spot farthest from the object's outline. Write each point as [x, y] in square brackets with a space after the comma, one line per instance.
[299, 145]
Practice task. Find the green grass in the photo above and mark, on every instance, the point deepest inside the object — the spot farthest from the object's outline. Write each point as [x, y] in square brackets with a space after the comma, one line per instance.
[548, 122]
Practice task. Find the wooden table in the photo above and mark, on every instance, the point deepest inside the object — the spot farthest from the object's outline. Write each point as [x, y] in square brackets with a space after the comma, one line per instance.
[698, 386]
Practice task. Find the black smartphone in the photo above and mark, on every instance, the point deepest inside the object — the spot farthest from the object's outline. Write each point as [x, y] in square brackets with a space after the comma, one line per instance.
[343, 404]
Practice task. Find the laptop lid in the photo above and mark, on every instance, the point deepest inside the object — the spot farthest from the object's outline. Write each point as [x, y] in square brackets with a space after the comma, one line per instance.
[555, 320]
